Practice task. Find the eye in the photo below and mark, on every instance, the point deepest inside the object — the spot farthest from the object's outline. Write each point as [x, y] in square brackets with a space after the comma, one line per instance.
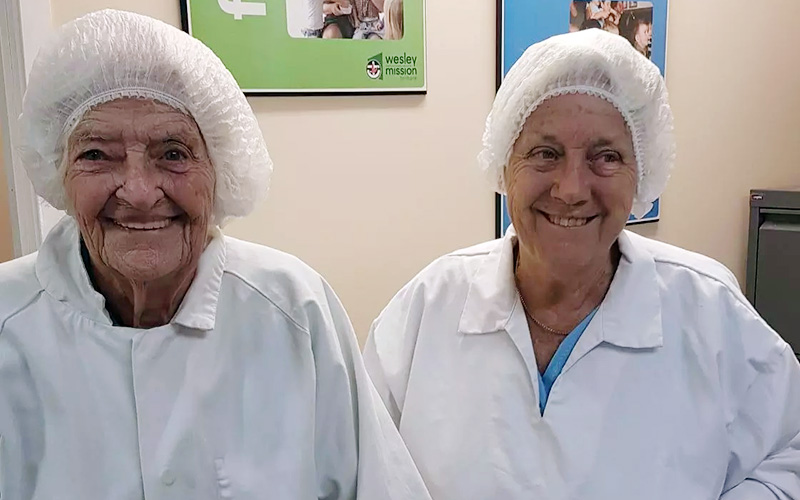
[607, 162]
[608, 157]
[174, 155]
[93, 155]
[547, 154]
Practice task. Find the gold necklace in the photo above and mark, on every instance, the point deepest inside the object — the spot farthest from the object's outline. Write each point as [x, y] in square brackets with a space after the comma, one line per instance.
[525, 307]
[541, 325]
[536, 321]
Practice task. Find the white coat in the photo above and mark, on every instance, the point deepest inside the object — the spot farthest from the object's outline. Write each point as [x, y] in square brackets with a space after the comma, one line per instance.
[254, 390]
[676, 390]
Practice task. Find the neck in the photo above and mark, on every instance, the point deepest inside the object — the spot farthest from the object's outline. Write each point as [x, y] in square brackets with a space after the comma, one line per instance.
[142, 304]
[561, 298]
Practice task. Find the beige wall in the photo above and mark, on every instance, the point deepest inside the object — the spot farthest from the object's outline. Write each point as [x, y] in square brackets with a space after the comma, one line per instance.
[734, 85]
[368, 225]
[6, 242]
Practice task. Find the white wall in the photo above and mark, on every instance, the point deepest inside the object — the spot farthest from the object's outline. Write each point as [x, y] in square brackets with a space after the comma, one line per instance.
[370, 224]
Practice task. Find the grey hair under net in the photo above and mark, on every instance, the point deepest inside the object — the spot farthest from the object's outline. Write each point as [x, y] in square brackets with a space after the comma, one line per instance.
[108, 55]
[591, 62]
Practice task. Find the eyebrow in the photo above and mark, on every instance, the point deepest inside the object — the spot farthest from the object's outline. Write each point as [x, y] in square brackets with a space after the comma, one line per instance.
[91, 137]
[602, 142]
[183, 138]
[550, 138]
[597, 143]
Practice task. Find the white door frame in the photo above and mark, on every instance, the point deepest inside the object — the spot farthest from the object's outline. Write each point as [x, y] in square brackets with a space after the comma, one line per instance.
[24, 25]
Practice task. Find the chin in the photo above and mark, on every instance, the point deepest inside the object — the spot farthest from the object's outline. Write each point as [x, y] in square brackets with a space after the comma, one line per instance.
[144, 266]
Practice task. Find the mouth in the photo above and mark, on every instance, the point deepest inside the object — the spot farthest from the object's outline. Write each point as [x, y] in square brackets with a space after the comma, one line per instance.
[151, 225]
[568, 222]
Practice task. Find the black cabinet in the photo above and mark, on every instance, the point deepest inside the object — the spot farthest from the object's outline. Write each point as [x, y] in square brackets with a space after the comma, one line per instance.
[773, 260]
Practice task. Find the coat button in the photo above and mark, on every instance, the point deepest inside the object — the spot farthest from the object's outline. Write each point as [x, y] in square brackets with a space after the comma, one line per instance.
[168, 477]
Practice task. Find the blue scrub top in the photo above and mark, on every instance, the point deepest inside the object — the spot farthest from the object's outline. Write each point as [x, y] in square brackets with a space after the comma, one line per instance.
[548, 378]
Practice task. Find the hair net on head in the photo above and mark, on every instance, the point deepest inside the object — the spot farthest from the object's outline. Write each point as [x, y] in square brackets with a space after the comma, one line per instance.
[110, 54]
[587, 62]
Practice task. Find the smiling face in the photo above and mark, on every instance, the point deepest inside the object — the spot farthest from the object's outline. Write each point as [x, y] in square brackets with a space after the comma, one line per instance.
[141, 186]
[571, 179]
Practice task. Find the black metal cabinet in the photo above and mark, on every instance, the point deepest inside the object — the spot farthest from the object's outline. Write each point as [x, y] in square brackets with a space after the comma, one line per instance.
[773, 260]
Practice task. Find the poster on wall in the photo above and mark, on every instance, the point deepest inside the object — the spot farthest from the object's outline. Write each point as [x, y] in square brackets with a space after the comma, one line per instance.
[522, 23]
[287, 47]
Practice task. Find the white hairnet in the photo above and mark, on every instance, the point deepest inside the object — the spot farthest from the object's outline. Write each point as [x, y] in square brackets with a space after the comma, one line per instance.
[110, 54]
[591, 62]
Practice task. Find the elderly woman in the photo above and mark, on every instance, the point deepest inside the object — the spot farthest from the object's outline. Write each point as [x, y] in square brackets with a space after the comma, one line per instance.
[572, 359]
[142, 353]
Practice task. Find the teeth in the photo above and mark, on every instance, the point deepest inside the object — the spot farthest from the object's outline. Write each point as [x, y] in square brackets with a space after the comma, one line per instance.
[567, 221]
[143, 226]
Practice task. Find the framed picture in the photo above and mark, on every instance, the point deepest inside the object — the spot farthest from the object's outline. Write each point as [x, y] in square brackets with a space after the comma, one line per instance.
[302, 47]
[521, 23]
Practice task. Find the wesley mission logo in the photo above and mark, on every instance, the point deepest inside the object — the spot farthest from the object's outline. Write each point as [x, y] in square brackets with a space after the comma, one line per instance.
[375, 67]
[399, 66]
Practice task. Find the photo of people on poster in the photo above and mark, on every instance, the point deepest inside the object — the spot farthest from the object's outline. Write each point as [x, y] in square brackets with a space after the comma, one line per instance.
[345, 19]
[631, 20]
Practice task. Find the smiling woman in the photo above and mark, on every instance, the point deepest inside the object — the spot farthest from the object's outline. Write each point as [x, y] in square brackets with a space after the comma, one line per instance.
[571, 358]
[144, 354]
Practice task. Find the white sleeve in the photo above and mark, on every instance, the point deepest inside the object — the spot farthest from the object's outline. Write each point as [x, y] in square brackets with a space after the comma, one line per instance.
[765, 434]
[384, 467]
[21, 429]
[389, 350]
[376, 372]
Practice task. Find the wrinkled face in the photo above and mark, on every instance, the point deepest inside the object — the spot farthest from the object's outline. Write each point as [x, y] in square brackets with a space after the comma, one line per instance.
[141, 186]
[571, 180]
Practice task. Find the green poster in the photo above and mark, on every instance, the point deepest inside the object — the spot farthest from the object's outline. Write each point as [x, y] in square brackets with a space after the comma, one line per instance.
[315, 46]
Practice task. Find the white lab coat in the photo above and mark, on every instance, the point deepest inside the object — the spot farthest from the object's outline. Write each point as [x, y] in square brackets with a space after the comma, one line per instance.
[254, 390]
[677, 389]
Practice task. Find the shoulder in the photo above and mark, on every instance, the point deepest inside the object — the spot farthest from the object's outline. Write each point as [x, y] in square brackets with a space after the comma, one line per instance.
[18, 286]
[258, 262]
[675, 262]
[704, 297]
[276, 277]
[442, 285]
[455, 269]
[277, 282]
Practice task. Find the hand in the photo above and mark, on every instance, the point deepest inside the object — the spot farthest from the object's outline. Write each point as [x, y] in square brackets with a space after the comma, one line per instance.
[340, 10]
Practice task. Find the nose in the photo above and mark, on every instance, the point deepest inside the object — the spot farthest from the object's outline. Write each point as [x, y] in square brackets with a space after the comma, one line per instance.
[140, 185]
[570, 184]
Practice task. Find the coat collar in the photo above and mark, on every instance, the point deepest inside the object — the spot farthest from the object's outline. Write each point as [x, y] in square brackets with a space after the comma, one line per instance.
[629, 316]
[60, 270]
[492, 293]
